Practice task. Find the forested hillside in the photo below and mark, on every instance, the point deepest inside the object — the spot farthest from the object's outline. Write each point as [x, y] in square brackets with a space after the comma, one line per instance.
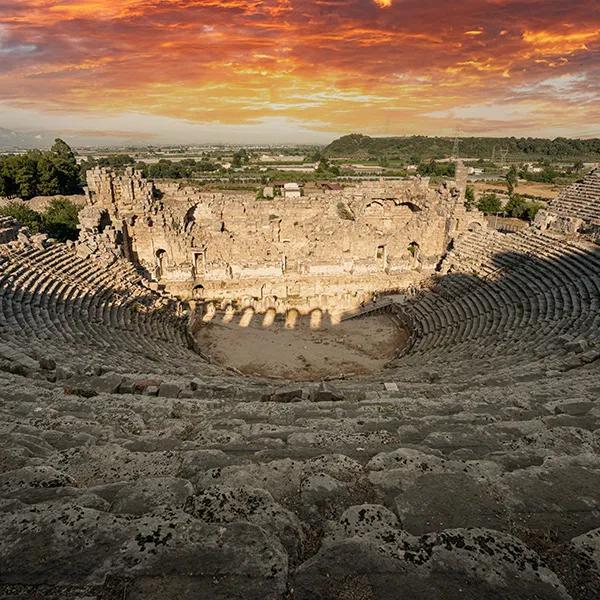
[416, 149]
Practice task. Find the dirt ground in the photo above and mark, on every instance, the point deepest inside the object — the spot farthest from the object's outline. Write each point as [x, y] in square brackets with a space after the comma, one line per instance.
[547, 191]
[356, 347]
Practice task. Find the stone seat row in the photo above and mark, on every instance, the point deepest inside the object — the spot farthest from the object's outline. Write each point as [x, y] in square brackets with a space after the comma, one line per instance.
[507, 292]
[50, 295]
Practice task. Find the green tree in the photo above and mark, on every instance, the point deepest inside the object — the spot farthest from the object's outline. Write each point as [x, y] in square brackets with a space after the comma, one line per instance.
[60, 219]
[23, 214]
[66, 167]
[512, 179]
[48, 177]
[48, 173]
[532, 210]
[516, 207]
[327, 169]
[240, 157]
[489, 204]
[26, 177]
[469, 197]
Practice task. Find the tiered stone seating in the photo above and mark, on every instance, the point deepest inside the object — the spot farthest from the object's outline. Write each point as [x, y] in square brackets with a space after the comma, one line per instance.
[508, 295]
[8, 229]
[250, 497]
[580, 200]
[56, 304]
[469, 469]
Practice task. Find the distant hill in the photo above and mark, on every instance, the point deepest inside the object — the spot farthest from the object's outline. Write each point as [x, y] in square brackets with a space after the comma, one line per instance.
[21, 140]
[420, 148]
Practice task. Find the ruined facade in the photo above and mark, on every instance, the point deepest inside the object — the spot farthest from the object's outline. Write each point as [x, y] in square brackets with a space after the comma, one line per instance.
[371, 237]
[9, 230]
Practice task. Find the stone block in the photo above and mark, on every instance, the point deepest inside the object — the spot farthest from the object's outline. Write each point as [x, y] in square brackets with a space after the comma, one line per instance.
[108, 384]
[169, 390]
[327, 392]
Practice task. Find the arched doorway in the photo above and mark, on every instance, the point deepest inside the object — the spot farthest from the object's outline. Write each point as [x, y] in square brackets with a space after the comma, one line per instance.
[198, 292]
[414, 250]
[161, 263]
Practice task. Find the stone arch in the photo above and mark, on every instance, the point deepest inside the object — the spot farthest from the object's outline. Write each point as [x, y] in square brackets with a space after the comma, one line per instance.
[198, 292]
[475, 226]
[161, 262]
[410, 205]
[375, 207]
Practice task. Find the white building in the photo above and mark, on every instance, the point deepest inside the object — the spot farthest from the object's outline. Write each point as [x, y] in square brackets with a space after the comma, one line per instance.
[292, 190]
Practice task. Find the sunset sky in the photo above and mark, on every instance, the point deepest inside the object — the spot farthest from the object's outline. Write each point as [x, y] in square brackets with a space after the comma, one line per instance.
[299, 70]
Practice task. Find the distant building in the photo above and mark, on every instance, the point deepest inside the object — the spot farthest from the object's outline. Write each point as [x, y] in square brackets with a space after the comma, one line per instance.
[292, 190]
[532, 168]
[281, 158]
[331, 186]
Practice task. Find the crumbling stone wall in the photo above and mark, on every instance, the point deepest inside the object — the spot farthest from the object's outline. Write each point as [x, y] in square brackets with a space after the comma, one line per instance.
[373, 236]
[9, 229]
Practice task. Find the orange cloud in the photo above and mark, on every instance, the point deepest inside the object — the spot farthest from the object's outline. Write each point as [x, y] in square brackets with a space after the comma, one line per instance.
[328, 64]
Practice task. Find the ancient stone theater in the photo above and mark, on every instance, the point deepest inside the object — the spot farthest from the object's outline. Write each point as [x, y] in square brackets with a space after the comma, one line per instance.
[139, 458]
[363, 239]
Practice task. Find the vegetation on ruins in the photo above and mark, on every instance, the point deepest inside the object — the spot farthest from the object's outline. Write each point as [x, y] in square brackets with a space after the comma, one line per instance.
[517, 206]
[436, 169]
[489, 204]
[520, 208]
[59, 220]
[417, 149]
[40, 173]
[344, 212]
[22, 213]
[470, 198]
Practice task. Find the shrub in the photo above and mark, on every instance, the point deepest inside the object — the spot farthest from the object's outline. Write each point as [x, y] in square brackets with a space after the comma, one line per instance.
[344, 212]
[24, 215]
[489, 204]
[60, 219]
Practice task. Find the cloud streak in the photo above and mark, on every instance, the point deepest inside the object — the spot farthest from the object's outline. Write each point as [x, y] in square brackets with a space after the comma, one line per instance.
[334, 65]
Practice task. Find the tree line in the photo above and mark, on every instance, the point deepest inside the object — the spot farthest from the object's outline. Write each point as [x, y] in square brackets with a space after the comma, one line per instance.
[416, 149]
[40, 173]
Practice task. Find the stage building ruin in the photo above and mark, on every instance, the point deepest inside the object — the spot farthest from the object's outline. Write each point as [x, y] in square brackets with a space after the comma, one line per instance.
[372, 237]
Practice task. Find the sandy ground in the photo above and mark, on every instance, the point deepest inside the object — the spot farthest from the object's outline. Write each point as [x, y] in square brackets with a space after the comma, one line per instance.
[542, 190]
[357, 347]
